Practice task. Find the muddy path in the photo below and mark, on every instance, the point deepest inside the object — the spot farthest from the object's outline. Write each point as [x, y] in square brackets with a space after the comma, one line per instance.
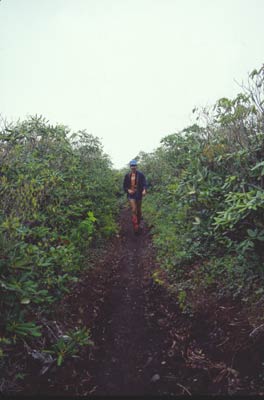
[125, 336]
[143, 344]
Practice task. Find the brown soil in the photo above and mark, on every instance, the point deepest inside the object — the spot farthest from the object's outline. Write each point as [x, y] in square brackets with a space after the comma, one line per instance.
[144, 345]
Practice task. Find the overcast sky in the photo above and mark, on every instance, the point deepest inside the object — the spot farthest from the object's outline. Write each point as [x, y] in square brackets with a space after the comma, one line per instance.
[127, 71]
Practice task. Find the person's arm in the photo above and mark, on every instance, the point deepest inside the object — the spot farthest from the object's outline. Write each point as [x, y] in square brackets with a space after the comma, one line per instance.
[126, 184]
[144, 185]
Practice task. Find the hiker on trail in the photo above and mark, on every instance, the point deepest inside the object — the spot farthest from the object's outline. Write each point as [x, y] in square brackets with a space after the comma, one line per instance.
[135, 186]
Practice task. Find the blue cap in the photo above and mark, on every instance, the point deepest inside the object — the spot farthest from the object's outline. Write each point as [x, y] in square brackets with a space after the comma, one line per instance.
[133, 162]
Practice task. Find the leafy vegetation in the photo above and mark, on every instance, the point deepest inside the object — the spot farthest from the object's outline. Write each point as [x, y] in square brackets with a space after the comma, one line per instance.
[206, 200]
[69, 344]
[58, 202]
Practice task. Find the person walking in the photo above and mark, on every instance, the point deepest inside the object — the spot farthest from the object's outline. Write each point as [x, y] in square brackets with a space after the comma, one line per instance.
[135, 186]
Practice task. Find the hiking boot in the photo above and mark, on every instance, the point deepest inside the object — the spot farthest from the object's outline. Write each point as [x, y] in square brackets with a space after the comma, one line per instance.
[135, 223]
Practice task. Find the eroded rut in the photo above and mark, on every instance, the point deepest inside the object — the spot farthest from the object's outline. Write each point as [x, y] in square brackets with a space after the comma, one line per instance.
[126, 336]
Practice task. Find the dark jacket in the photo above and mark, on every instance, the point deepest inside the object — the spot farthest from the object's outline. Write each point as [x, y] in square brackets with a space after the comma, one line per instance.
[141, 183]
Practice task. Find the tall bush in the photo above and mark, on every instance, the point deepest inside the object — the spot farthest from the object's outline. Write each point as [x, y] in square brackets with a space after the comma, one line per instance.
[57, 192]
[207, 198]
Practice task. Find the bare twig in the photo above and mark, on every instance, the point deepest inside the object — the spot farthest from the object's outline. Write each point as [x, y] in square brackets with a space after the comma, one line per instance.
[221, 344]
[257, 330]
[184, 388]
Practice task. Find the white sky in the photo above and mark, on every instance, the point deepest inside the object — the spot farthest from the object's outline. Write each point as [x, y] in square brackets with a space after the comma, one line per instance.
[127, 71]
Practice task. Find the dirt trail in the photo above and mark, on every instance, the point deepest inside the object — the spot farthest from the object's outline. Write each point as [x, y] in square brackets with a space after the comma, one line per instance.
[144, 345]
[125, 334]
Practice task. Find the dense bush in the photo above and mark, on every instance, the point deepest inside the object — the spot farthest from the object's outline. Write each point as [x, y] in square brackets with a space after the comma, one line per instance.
[206, 197]
[57, 201]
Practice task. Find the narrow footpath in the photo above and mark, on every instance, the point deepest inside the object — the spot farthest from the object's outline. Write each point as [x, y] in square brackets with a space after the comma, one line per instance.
[143, 344]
